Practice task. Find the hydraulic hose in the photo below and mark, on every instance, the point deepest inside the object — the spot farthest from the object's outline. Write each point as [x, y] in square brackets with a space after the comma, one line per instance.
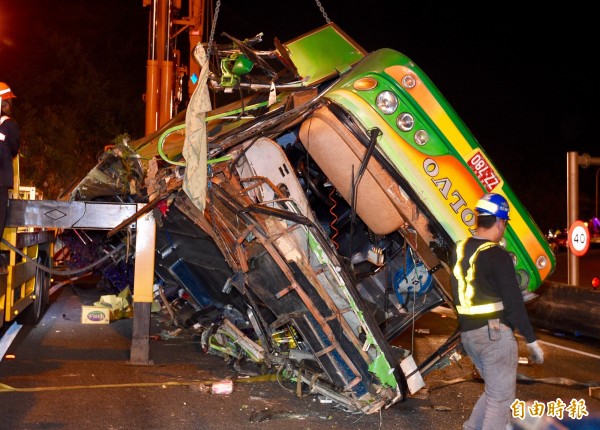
[69, 272]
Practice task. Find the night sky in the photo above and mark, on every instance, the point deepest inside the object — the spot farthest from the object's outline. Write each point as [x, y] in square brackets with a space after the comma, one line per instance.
[524, 82]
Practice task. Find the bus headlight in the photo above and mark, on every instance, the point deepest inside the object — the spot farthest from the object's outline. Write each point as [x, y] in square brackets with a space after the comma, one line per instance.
[405, 121]
[522, 279]
[514, 258]
[541, 262]
[421, 137]
[387, 102]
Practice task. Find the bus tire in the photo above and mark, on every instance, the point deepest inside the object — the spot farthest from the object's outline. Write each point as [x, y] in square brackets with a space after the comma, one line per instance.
[34, 312]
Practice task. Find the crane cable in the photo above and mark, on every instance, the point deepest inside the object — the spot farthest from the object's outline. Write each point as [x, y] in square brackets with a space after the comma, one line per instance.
[322, 9]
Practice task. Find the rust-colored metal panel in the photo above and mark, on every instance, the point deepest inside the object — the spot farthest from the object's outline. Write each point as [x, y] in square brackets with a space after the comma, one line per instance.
[339, 155]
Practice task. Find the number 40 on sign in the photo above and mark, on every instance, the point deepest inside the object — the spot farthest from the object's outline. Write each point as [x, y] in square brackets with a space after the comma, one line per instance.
[579, 238]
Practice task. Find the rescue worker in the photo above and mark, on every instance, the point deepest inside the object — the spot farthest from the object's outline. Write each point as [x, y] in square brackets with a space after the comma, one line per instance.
[490, 307]
[10, 142]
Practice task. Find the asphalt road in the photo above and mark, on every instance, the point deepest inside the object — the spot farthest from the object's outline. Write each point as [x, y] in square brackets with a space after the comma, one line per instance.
[68, 375]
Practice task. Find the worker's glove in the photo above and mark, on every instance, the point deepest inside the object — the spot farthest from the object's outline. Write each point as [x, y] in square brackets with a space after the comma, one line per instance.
[536, 354]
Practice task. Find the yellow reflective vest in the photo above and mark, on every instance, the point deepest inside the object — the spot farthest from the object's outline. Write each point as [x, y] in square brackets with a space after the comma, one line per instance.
[466, 289]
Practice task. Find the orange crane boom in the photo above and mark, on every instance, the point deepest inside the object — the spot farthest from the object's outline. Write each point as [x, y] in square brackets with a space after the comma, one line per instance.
[165, 71]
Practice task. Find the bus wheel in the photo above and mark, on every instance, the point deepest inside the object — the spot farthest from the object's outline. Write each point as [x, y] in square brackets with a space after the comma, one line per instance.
[34, 312]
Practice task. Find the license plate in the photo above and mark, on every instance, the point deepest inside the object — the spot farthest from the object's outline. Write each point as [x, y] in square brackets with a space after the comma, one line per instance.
[485, 173]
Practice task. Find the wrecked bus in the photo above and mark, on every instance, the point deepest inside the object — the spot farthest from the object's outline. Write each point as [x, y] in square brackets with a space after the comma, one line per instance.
[28, 253]
[331, 198]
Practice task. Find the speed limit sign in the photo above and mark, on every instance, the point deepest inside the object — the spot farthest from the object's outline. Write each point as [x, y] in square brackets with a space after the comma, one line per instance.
[579, 238]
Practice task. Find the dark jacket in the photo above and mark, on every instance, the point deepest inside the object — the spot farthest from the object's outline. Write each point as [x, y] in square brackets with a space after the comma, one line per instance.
[10, 142]
[495, 277]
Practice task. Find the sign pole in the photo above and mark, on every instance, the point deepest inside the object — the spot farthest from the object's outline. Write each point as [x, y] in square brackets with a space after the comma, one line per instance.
[575, 160]
[572, 212]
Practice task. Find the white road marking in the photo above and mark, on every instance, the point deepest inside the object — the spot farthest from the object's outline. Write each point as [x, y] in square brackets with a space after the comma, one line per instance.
[576, 351]
[8, 338]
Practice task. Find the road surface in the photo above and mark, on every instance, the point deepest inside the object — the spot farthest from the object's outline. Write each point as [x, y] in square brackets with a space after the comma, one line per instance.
[67, 375]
